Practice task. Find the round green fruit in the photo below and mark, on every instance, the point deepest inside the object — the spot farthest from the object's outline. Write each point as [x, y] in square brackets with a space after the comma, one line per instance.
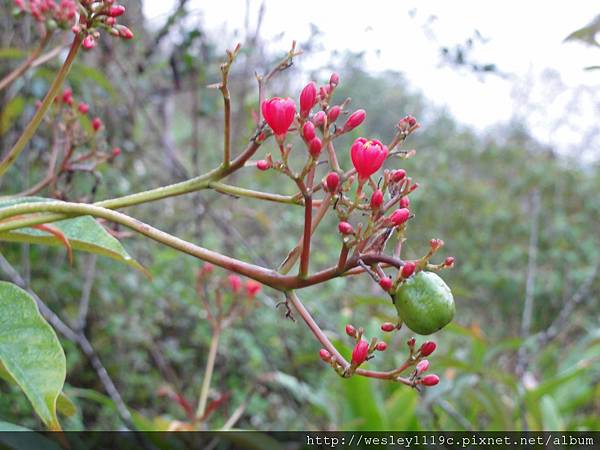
[425, 303]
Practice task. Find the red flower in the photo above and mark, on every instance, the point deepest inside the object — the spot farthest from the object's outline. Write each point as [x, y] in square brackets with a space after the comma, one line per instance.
[279, 114]
[325, 355]
[386, 283]
[83, 108]
[235, 283]
[367, 156]
[388, 327]
[252, 288]
[360, 352]
[350, 330]
[333, 113]
[381, 346]
[96, 123]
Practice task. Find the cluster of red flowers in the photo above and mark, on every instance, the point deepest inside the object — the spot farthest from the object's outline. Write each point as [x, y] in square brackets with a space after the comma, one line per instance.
[251, 288]
[60, 13]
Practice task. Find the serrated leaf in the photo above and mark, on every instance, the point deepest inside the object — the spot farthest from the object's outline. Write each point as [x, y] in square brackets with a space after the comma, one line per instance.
[84, 233]
[31, 352]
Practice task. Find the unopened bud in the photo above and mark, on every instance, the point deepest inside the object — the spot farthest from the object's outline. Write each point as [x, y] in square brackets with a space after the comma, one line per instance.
[345, 228]
[355, 119]
[89, 42]
[422, 366]
[350, 330]
[400, 216]
[427, 348]
[334, 79]
[449, 261]
[308, 131]
[386, 283]
[360, 352]
[381, 346]
[436, 244]
[235, 283]
[325, 355]
[398, 175]
[314, 147]
[319, 118]
[408, 269]
[83, 108]
[96, 123]
[430, 380]
[263, 164]
[116, 152]
[308, 98]
[333, 113]
[332, 181]
[116, 11]
[388, 327]
[376, 199]
[404, 202]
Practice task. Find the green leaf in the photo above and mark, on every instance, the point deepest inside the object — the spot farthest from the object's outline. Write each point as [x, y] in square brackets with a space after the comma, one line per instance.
[11, 53]
[64, 405]
[31, 352]
[10, 112]
[84, 233]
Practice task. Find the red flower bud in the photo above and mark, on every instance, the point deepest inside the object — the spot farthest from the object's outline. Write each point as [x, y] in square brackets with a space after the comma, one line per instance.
[436, 244]
[388, 327]
[430, 380]
[398, 175]
[449, 261]
[386, 283]
[252, 288]
[411, 342]
[96, 123]
[360, 352]
[400, 216]
[427, 348]
[308, 131]
[116, 11]
[67, 96]
[422, 366]
[377, 199]
[381, 346]
[308, 98]
[334, 79]
[89, 42]
[324, 91]
[207, 268]
[314, 147]
[319, 118]
[404, 202]
[355, 119]
[235, 283]
[407, 122]
[325, 355]
[350, 330]
[414, 187]
[263, 164]
[279, 114]
[125, 32]
[333, 113]
[408, 269]
[83, 108]
[345, 228]
[116, 152]
[110, 21]
[367, 156]
[332, 181]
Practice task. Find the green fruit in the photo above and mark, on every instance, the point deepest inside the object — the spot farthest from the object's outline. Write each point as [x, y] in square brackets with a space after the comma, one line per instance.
[425, 303]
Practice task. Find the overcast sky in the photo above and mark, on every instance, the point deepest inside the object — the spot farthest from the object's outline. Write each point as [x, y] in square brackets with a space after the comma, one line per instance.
[523, 38]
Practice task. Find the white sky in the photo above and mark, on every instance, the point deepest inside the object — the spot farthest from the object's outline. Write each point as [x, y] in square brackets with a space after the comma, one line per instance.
[525, 40]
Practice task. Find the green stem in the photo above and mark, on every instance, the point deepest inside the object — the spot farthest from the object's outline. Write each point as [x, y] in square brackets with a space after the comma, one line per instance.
[37, 118]
[208, 372]
[241, 192]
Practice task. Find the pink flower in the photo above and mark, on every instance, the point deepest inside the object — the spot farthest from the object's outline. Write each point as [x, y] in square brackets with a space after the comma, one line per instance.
[367, 156]
[308, 98]
[253, 288]
[360, 352]
[235, 283]
[263, 164]
[422, 366]
[279, 114]
[89, 42]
